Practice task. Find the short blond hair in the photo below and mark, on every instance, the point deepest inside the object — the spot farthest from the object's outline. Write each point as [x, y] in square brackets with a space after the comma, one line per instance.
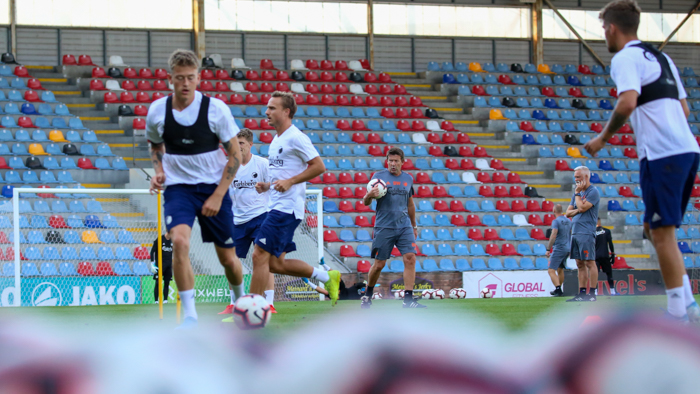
[183, 58]
[288, 102]
[246, 134]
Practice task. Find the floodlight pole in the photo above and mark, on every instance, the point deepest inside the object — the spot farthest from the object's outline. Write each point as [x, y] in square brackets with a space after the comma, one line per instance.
[13, 28]
[694, 10]
[198, 28]
[370, 31]
[537, 39]
[585, 44]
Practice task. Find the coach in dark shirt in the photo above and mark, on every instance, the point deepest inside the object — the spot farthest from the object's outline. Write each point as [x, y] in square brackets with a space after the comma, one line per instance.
[603, 258]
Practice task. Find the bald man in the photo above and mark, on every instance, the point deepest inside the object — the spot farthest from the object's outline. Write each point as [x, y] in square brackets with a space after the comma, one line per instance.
[559, 245]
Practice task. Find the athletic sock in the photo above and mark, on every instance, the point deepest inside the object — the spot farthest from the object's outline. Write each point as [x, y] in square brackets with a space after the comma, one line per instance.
[238, 291]
[582, 290]
[187, 299]
[369, 291]
[233, 297]
[408, 295]
[320, 275]
[558, 288]
[270, 296]
[676, 302]
[688, 291]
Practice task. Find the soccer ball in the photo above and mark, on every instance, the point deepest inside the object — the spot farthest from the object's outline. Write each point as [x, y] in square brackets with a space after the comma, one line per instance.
[458, 293]
[399, 294]
[428, 294]
[376, 296]
[486, 293]
[439, 294]
[251, 312]
[380, 183]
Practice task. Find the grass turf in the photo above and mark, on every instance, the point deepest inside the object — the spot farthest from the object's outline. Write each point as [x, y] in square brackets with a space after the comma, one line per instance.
[514, 313]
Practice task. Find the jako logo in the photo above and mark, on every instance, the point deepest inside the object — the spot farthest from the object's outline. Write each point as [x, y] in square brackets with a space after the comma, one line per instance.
[493, 283]
[46, 294]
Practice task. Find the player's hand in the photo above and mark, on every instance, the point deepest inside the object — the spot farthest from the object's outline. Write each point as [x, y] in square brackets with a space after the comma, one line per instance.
[374, 193]
[282, 185]
[595, 145]
[580, 186]
[547, 254]
[154, 268]
[415, 233]
[157, 182]
[212, 205]
[262, 187]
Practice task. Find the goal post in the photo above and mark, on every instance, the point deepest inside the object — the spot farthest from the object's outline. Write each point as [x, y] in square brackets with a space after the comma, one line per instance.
[72, 247]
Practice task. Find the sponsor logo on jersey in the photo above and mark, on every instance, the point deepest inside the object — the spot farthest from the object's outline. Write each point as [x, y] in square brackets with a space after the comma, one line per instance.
[244, 184]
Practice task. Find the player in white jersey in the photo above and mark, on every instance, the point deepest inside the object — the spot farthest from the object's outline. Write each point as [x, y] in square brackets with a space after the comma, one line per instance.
[293, 161]
[651, 95]
[184, 131]
[250, 194]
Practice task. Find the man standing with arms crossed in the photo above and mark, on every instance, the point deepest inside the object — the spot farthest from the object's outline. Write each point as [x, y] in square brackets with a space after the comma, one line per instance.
[651, 95]
[584, 211]
[293, 161]
[395, 225]
[184, 131]
[249, 193]
[559, 246]
[605, 253]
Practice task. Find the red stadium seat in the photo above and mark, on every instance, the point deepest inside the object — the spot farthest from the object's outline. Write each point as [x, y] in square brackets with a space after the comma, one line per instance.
[418, 125]
[383, 77]
[448, 126]
[516, 191]
[374, 138]
[343, 124]
[548, 219]
[130, 73]
[99, 72]
[348, 251]
[614, 140]
[441, 206]
[502, 205]
[424, 191]
[363, 266]
[386, 101]
[140, 110]
[328, 177]
[448, 138]
[160, 73]
[613, 92]
[266, 64]
[415, 101]
[326, 76]
[493, 250]
[479, 90]
[596, 127]
[465, 151]
[341, 77]
[526, 126]
[360, 207]
[311, 76]
[626, 129]
[222, 74]
[342, 101]
[326, 88]
[362, 221]
[474, 220]
[423, 177]
[69, 60]
[206, 86]
[282, 76]
[104, 269]
[451, 164]
[457, 206]
[491, 235]
[435, 151]
[549, 92]
[361, 178]
[440, 191]
[625, 191]
[483, 177]
[97, 84]
[21, 72]
[621, 263]
[34, 84]
[144, 85]
[457, 220]
[403, 125]
[372, 101]
[252, 99]
[533, 206]
[504, 79]
[370, 77]
[466, 164]
[252, 75]
[31, 96]
[267, 87]
[576, 92]
[330, 192]
[57, 221]
[126, 97]
[341, 65]
[401, 113]
[312, 64]
[360, 192]
[500, 191]
[139, 124]
[538, 234]
[330, 236]
[547, 206]
[346, 192]
[509, 250]
[498, 177]
[584, 69]
[628, 140]
[517, 206]
[629, 152]
[143, 97]
[535, 220]
[513, 177]
[346, 206]
[486, 191]
[160, 85]
[341, 89]
[312, 221]
[85, 269]
[401, 102]
[251, 124]
[475, 234]
[480, 152]
[562, 165]
[206, 74]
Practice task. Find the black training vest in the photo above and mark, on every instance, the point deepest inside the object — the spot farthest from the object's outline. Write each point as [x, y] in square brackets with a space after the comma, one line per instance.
[665, 86]
[189, 140]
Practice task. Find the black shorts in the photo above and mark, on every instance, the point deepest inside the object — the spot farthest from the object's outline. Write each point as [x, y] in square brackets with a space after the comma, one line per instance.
[604, 263]
[167, 273]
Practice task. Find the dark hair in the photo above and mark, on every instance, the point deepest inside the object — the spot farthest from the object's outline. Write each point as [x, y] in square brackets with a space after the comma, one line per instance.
[624, 14]
[395, 151]
[288, 102]
[246, 134]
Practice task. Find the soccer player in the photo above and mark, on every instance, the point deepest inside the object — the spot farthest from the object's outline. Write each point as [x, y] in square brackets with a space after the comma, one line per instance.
[395, 225]
[584, 211]
[249, 194]
[651, 95]
[559, 246]
[184, 131]
[167, 264]
[293, 161]
[605, 253]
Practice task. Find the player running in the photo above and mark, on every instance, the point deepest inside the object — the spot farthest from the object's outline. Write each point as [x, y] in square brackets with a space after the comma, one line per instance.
[559, 245]
[184, 131]
[395, 225]
[293, 161]
[249, 193]
[651, 95]
[584, 209]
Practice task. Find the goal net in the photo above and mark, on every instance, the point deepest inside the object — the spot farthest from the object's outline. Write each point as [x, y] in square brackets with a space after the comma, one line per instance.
[74, 247]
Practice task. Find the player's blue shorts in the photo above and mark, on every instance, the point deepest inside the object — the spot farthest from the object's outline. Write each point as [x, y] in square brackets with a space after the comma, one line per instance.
[558, 259]
[245, 234]
[666, 187]
[184, 202]
[276, 234]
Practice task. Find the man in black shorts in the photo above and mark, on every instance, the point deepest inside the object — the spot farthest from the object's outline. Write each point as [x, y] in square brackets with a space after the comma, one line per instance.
[603, 258]
[167, 264]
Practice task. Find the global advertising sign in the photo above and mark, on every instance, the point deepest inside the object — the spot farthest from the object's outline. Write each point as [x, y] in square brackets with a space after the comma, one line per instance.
[508, 284]
[73, 291]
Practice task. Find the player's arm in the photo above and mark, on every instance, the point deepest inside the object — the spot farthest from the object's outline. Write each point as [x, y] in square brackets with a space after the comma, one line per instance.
[582, 205]
[608, 238]
[686, 109]
[412, 215]
[552, 238]
[370, 195]
[571, 211]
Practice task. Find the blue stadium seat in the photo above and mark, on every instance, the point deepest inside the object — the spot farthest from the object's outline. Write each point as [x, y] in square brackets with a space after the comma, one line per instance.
[507, 234]
[524, 249]
[461, 250]
[445, 250]
[462, 265]
[363, 251]
[632, 220]
[8, 270]
[122, 268]
[346, 221]
[477, 250]
[495, 264]
[29, 269]
[541, 263]
[444, 235]
[124, 236]
[103, 253]
[509, 263]
[141, 268]
[526, 264]
[684, 248]
[479, 265]
[427, 235]
[430, 266]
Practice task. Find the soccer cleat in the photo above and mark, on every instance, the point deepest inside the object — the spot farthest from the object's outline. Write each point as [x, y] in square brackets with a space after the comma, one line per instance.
[693, 313]
[228, 320]
[556, 293]
[272, 309]
[591, 297]
[228, 310]
[333, 286]
[578, 298]
[683, 320]
[190, 323]
[366, 302]
[412, 303]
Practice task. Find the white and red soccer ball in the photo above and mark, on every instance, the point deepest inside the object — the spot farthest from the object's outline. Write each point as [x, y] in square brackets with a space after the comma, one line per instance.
[428, 294]
[376, 296]
[251, 312]
[439, 294]
[458, 293]
[399, 294]
[380, 183]
[486, 293]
